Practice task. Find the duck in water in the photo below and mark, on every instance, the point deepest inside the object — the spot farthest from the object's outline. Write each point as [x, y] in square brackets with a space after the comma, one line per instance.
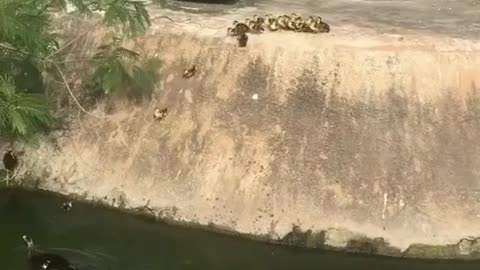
[67, 206]
[28, 241]
[43, 261]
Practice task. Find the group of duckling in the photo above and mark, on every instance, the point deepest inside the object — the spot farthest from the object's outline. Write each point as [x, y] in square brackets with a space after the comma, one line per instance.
[294, 22]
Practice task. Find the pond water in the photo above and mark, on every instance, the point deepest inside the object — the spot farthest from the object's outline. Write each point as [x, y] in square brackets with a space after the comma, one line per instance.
[97, 238]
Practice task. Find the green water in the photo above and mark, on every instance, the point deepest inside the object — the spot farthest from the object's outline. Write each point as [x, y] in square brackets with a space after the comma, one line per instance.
[97, 238]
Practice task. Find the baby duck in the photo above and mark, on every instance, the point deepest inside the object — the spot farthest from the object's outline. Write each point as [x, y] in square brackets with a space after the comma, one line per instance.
[258, 20]
[324, 27]
[291, 25]
[160, 114]
[46, 264]
[273, 26]
[240, 28]
[67, 206]
[282, 22]
[255, 28]
[299, 25]
[312, 27]
[242, 40]
[28, 241]
[190, 72]
[269, 19]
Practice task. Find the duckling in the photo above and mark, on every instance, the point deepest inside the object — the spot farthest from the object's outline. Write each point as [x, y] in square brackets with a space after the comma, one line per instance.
[160, 114]
[258, 19]
[190, 72]
[49, 261]
[230, 31]
[299, 25]
[270, 19]
[309, 20]
[242, 40]
[255, 28]
[294, 16]
[291, 25]
[240, 28]
[46, 264]
[273, 26]
[324, 27]
[282, 22]
[28, 241]
[67, 206]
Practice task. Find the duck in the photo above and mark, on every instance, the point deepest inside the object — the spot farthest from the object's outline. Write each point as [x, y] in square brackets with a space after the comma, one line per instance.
[189, 72]
[282, 22]
[240, 28]
[295, 17]
[46, 261]
[242, 40]
[324, 27]
[67, 206]
[230, 31]
[255, 28]
[46, 264]
[291, 25]
[10, 161]
[269, 19]
[259, 20]
[273, 26]
[299, 25]
[39, 260]
[28, 241]
[312, 27]
[160, 114]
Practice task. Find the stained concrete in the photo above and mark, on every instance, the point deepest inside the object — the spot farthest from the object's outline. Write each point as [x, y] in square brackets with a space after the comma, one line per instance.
[354, 134]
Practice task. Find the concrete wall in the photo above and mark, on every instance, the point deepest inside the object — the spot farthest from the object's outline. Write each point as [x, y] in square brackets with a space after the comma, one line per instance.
[352, 133]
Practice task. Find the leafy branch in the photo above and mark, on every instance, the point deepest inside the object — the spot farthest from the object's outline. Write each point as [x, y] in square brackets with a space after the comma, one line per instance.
[28, 48]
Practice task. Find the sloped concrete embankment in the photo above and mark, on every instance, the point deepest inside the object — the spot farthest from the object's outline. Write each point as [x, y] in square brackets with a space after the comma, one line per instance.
[353, 142]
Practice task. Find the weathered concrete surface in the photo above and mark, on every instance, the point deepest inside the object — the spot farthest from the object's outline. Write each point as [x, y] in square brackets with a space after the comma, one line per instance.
[352, 132]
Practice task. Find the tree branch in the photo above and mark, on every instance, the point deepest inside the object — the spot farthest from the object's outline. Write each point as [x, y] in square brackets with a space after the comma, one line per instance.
[72, 41]
[70, 91]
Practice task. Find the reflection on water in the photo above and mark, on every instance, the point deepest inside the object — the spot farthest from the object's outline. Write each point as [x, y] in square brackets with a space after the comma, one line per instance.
[96, 238]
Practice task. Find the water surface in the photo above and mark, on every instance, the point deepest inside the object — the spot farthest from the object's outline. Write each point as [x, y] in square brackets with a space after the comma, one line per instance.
[98, 238]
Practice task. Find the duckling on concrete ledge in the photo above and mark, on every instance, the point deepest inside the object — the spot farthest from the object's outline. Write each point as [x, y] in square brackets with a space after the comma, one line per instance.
[190, 72]
[239, 28]
[160, 114]
[255, 28]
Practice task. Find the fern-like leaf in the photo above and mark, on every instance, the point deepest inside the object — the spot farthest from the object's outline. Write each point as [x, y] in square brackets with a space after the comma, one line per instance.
[22, 115]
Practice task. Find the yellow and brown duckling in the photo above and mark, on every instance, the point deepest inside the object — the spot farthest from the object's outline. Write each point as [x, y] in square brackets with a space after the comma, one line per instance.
[258, 19]
[189, 72]
[270, 19]
[273, 26]
[159, 114]
[282, 22]
[255, 28]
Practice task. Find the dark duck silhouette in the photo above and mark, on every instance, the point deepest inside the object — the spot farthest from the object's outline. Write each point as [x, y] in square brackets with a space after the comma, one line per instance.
[66, 206]
[10, 161]
[190, 72]
[43, 261]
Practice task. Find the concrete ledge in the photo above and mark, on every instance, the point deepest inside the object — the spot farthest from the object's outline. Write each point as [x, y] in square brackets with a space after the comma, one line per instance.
[353, 135]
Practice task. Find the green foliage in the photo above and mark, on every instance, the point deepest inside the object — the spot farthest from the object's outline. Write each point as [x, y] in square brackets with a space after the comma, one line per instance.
[22, 114]
[27, 47]
[120, 71]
